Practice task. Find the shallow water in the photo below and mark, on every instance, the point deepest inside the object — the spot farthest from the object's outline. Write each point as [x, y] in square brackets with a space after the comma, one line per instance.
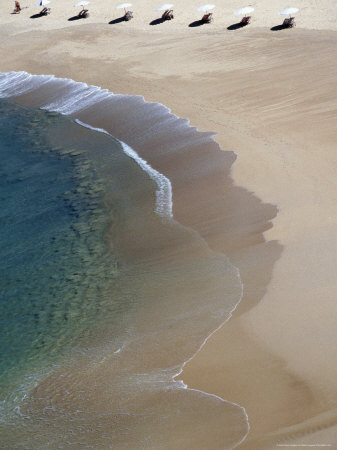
[52, 253]
[109, 295]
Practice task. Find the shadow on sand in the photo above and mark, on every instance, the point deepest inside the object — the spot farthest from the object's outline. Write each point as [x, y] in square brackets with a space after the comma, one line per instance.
[278, 28]
[118, 20]
[157, 21]
[236, 26]
[196, 23]
[74, 18]
[36, 16]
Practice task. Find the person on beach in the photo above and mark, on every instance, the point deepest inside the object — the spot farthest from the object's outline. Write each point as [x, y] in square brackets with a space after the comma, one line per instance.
[17, 8]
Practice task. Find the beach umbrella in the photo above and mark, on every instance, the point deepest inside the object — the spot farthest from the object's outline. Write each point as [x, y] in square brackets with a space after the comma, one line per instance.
[244, 11]
[42, 3]
[165, 7]
[205, 8]
[289, 11]
[124, 6]
[83, 3]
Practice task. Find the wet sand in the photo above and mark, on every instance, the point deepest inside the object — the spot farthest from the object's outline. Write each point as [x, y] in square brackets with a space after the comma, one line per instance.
[270, 98]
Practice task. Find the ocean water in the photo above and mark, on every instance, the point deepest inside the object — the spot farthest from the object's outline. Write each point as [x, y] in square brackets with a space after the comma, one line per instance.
[52, 253]
[104, 294]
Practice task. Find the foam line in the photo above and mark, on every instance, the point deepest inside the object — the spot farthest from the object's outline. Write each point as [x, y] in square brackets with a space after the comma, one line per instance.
[163, 193]
[18, 83]
[79, 98]
[181, 385]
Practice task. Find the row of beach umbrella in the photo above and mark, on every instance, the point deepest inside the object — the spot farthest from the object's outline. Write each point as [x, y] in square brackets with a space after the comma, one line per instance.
[248, 9]
[46, 2]
[204, 8]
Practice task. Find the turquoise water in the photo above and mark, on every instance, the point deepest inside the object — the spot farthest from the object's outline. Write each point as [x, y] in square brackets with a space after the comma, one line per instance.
[51, 244]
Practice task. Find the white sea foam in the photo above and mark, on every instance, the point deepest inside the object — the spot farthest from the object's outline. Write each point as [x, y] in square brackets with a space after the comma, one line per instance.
[163, 193]
[18, 83]
[79, 97]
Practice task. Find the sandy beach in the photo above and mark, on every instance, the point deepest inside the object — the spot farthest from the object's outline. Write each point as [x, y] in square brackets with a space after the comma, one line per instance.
[270, 97]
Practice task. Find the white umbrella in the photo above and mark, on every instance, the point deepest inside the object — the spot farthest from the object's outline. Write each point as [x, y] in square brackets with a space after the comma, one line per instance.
[165, 7]
[243, 11]
[205, 8]
[42, 3]
[82, 3]
[124, 5]
[289, 11]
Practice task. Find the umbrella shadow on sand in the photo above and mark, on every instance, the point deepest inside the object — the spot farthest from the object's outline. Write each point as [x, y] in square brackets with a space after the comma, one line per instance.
[36, 16]
[157, 21]
[278, 28]
[75, 18]
[118, 20]
[196, 23]
[236, 26]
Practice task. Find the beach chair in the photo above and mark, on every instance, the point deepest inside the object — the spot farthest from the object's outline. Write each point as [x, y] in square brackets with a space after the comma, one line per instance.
[128, 15]
[207, 18]
[45, 11]
[246, 20]
[83, 14]
[289, 22]
[168, 14]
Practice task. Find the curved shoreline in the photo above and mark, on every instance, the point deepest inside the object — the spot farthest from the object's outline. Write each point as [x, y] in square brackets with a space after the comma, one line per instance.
[162, 211]
[179, 384]
[143, 164]
[71, 106]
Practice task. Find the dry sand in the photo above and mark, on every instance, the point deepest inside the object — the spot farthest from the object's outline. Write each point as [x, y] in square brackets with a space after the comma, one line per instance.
[270, 97]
